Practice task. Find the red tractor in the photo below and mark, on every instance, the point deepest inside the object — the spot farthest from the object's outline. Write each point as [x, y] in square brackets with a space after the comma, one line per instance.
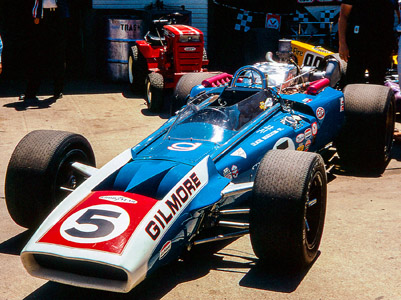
[167, 53]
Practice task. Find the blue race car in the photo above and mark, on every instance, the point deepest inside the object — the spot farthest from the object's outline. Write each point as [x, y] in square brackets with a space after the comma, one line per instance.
[248, 157]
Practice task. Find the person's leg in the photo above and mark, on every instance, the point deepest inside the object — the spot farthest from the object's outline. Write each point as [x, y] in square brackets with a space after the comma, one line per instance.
[355, 71]
[34, 63]
[378, 64]
[356, 68]
[59, 47]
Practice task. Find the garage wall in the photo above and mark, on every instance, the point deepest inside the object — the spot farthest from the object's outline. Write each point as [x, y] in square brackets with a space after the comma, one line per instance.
[199, 9]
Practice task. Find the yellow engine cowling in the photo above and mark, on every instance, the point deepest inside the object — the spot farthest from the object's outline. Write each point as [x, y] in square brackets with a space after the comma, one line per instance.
[309, 55]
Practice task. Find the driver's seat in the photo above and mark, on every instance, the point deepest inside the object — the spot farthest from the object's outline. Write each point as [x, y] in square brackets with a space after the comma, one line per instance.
[152, 37]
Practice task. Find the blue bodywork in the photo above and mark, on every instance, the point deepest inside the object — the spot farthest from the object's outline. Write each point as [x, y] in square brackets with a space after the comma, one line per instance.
[235, 126]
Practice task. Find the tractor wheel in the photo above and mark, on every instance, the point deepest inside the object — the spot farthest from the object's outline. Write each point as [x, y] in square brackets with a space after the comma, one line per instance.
[154, 91]
[184, 87]
[366, 139]
[287, 209]
[137, 69]
[38, 169]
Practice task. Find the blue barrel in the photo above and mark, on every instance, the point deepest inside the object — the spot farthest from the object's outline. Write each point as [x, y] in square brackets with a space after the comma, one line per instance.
[120, 36]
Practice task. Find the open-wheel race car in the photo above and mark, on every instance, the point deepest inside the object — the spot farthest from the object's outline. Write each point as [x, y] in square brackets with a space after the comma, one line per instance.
[248, 157]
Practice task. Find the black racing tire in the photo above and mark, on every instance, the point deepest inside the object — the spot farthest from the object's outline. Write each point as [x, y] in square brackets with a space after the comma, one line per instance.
[185, 85]
[154, 91]
[287, 209]
[137, 69]
[39, 166]
[366, 139]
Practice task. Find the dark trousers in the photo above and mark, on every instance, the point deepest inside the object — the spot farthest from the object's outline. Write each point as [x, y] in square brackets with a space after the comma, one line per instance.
[376, 62]
[46, 54]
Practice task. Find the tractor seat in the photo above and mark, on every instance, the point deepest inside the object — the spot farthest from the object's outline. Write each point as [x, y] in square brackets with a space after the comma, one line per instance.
[154, 40]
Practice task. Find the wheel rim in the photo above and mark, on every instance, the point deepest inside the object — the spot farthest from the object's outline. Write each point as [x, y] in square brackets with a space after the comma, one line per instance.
[313, 207]
[389, 132]
[67, 179]
[148, 94]
[130, 74]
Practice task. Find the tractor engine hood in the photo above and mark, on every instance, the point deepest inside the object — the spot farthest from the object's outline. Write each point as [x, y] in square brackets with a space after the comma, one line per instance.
[110, 239]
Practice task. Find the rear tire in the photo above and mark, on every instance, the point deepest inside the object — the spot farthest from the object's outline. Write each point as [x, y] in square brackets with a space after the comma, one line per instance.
[39, 166]
[287, 209]
[366, 140]
[154, 91]
[184, 87]
[137, 69]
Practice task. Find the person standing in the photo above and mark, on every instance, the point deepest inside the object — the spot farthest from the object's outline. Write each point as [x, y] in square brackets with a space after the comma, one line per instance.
[47, 50]
[366, 38]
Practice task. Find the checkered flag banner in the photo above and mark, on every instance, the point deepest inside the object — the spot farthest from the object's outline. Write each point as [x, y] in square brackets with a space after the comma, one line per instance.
[327, 16]
[301, 17]
[244, 18]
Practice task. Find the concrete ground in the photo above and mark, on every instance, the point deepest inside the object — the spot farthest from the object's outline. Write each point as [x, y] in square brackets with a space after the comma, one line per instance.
[360, 253]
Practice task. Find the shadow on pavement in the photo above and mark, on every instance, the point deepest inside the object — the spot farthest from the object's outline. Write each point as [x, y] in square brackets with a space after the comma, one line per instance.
[31, 104]
[14, 88]
[167, 278]
[261, 278]
[15, 244]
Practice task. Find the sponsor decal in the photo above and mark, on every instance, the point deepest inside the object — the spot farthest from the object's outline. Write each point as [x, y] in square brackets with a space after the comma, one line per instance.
[239, 152]
[189, 48]
[284, 143]
[314, 128]
[341, 104]
[320, 113]
[297, 52]
[234, 171]
[164, 250]
[307, 145]
[300, 138]
[266, 137]
[301, 147]
[308, 133]
[320, 49]
[265, 129]
[184, 146]
[227, 173]
[306, 100]
[177, 199]
[118, 199]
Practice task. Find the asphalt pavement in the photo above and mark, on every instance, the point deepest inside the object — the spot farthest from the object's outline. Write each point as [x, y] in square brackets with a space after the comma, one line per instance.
[360, 253]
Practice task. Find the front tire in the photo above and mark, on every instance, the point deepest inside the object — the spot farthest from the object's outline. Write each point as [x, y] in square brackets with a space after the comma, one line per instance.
[366, 139]
[39, 166]
[154, 91]
[137, 69]
[287, 209]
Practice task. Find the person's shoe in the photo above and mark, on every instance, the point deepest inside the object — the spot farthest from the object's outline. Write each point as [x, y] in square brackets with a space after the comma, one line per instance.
[23, 97]
[57, 96]
[397, 136]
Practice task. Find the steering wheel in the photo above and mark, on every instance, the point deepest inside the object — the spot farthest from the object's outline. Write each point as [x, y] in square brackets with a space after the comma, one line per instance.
[217, 110]
[203, 115]
[241, 73]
